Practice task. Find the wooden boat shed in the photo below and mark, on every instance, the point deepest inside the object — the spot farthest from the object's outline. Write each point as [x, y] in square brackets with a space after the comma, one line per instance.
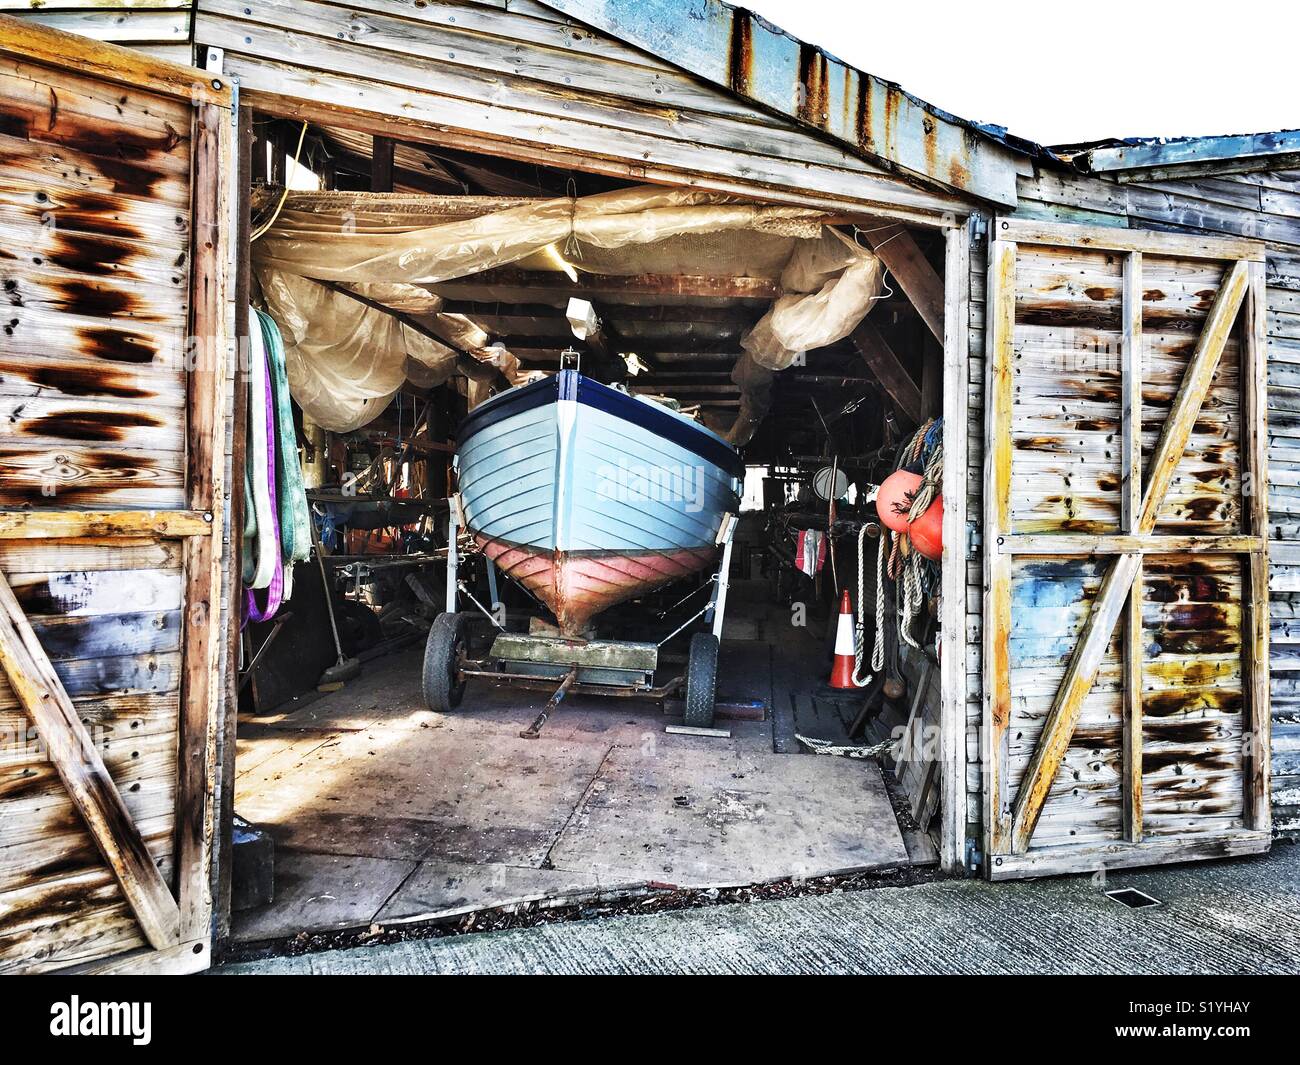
[1120, 331]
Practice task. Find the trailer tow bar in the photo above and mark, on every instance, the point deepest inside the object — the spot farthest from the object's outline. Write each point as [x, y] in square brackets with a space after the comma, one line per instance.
[535, 729]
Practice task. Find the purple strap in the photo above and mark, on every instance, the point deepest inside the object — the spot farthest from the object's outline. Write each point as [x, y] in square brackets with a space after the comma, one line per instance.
[275, 591]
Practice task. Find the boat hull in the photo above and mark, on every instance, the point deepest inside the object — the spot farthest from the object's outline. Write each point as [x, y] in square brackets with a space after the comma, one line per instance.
[587, 496]
[578, 587]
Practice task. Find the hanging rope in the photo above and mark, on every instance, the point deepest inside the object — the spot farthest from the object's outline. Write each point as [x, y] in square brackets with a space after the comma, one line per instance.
[912, 601]
[878, 647]
[260, 231]
[861, 627]
[931, 483]
[907, 567]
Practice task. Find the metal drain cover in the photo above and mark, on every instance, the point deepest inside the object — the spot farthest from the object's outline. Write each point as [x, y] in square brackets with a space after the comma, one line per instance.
[1132, 898]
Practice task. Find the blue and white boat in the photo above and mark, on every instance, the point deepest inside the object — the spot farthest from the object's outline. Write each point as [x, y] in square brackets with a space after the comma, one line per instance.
[588, 496]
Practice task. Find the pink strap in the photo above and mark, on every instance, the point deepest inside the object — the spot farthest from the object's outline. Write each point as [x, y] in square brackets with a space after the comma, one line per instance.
[275, 591]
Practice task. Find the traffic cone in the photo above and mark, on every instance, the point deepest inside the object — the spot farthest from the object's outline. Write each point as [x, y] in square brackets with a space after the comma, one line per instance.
[842, 672]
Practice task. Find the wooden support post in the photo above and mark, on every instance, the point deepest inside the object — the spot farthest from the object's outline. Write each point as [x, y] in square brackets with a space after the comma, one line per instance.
[235, 592]
[201, 635]
[952, 604]
[997, 524]
[1255, 635]
[1131, 739]
[1130, 504]
[75, 758]
[920, 281]
[889, 370]
[1097, 631]
[381, 165]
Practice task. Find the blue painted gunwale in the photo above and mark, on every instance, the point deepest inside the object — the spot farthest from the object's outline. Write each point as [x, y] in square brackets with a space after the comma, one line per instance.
[571, 385]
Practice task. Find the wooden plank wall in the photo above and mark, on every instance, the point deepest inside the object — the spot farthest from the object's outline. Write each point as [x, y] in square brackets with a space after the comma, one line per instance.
[499, 76]
[159, 27]
[1263, 205]
[94, 270]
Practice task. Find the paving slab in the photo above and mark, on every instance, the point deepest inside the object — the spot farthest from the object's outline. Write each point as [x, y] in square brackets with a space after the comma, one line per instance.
[447, 790]
[684, 813]
[321, 892]
[443, 889]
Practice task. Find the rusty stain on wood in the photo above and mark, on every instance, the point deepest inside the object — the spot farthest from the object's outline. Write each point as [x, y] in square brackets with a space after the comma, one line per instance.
[740, 60]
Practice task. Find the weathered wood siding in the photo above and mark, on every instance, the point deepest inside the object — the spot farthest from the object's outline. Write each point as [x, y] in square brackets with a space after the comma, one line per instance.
[95, 231]
[160, 28]
[500, 75]
[94, 270]
[1207, 495]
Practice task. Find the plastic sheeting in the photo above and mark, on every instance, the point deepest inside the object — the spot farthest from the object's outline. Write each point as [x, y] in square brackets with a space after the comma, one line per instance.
[346, 360]
[830, 284]
[646, 214]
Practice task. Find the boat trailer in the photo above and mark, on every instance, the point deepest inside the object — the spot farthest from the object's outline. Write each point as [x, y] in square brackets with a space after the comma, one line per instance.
[620, 668]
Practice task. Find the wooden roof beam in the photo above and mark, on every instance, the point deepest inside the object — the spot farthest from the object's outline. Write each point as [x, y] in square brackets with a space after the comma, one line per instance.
[527, 286]
[889, 370]
[920, 281]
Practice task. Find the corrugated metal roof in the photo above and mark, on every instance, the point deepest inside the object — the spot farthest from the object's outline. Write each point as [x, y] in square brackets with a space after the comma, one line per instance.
[736, 49]
[1162, 152]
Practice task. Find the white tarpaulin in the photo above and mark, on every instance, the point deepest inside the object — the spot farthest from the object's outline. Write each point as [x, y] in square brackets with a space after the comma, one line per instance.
[346, 360]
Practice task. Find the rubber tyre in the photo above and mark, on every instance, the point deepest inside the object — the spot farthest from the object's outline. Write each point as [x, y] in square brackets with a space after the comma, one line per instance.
[443, 685]
[701, 680]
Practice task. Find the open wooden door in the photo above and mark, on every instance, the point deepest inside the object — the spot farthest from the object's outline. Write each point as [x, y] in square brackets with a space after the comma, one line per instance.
[1126, 607]
[114, 362]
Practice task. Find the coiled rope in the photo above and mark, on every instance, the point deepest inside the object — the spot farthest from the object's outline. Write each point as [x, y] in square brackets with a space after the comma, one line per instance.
[896, 558]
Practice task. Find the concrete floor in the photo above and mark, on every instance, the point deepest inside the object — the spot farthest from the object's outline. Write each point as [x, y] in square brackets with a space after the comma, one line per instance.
[384, 812]
[1227, 917]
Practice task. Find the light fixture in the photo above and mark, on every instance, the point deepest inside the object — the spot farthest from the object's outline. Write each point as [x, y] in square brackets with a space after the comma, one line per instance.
[553, 252]
[582, 318]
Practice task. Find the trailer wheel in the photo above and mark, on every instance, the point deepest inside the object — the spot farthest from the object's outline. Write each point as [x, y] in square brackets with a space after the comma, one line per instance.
[444, 685]
[701, 680]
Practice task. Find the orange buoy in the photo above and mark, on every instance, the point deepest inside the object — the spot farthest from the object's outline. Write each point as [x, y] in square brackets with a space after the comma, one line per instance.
[927, 531]
[894, 499]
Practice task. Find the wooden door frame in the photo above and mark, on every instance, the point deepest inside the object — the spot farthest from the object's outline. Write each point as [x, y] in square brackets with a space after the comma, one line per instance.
[954, 317]
[953, 757]
[1008, 831]
[185, 944]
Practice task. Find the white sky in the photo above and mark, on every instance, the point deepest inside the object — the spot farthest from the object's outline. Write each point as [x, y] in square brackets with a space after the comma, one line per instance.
[1057, 73]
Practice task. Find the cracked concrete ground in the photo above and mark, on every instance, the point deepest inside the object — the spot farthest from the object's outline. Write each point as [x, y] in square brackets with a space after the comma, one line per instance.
[1228, 917]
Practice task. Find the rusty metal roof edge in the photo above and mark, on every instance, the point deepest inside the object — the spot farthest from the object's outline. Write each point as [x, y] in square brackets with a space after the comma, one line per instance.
[740, 51]
[1141, 153]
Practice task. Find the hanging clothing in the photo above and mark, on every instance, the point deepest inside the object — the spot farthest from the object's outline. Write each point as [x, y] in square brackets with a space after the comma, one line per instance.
[277, 519]
[295, 519]
[810, 552]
